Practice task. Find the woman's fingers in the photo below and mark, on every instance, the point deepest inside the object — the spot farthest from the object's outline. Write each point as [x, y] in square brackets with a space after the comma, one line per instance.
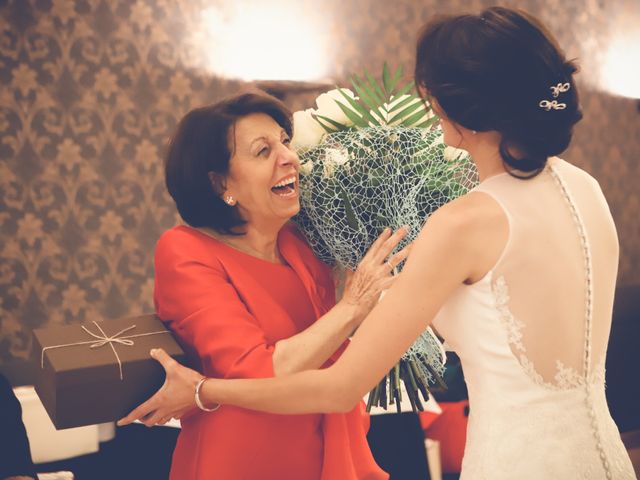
[141, 411]
[383, 237]
[377, 244]
[399, 257]
[164, 358]
[154, 418]
[384, 245]
[173, 399]
[154, 402]
[391, 243]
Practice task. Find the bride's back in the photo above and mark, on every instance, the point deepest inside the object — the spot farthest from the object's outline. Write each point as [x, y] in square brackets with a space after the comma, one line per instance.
[559, 271]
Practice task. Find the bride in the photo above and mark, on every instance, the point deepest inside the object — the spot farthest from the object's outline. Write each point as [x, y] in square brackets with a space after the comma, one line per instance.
[518, 275]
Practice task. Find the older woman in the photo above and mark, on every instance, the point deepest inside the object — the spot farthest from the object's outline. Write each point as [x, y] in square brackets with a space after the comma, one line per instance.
[247, 298]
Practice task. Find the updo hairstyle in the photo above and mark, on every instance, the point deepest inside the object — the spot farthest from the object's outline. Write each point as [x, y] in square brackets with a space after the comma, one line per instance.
[494, 72]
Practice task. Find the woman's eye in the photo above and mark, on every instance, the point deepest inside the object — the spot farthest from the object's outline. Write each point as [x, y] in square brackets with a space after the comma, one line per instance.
[286, 140]
[263, 151]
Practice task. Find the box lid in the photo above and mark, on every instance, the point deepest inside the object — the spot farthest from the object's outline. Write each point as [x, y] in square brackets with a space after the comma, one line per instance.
[83, 351]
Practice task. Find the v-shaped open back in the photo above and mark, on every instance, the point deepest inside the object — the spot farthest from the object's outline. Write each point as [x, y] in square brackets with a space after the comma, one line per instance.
[533, 333]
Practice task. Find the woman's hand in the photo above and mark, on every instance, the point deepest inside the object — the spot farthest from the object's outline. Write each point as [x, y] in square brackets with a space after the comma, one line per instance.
[374, 273]
[175, 398]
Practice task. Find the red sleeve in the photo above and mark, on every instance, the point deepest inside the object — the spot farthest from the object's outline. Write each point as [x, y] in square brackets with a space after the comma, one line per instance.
[195, 297]
[323, 278]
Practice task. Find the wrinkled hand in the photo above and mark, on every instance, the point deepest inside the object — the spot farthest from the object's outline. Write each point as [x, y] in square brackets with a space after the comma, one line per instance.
[173, 399]
[374, 273]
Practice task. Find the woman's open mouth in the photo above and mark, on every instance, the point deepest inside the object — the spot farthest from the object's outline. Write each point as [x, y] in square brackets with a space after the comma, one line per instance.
[286, 187]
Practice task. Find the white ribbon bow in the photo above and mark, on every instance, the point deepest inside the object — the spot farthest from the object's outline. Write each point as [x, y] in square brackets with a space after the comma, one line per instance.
[103, 340]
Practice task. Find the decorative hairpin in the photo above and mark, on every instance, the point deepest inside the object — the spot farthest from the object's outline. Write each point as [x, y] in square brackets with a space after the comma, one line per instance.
[560, 88]
[556, 90]
[548, 105]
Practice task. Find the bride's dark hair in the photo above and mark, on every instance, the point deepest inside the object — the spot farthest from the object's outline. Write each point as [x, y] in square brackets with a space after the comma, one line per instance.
[490, 72]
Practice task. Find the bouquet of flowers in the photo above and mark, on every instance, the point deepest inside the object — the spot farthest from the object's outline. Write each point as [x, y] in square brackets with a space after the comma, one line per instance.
[373, 158]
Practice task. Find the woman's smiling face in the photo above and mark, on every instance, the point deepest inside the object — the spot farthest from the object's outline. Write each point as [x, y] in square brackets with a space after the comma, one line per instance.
[263, 170]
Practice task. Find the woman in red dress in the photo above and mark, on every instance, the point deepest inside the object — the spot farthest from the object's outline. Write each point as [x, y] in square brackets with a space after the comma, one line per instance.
[246, 297]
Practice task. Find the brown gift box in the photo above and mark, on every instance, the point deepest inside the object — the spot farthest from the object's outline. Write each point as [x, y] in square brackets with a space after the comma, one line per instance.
[83, 379]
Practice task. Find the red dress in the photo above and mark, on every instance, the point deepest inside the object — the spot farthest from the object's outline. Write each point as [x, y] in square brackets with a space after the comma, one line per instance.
[229, 309]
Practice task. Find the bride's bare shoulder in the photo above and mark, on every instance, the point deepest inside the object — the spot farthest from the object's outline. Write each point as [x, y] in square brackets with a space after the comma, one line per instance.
[471, 231]
[470, 211]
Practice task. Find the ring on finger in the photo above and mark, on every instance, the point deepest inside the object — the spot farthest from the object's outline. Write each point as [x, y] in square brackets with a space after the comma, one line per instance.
[390, 265]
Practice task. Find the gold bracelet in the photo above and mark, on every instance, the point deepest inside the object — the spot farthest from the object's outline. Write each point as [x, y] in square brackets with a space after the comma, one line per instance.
[197, 397]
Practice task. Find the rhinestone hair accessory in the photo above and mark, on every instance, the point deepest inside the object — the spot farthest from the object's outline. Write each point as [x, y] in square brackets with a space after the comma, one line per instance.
[553, 104]
[556, 90]
[560, 88]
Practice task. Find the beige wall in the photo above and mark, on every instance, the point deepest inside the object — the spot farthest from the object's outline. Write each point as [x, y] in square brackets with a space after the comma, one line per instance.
[90, 90]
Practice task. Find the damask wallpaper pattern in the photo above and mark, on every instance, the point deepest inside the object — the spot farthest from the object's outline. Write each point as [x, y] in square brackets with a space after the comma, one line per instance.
[91, 90]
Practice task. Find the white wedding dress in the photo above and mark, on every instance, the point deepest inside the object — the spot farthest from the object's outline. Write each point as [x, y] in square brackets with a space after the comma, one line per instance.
[532, 335]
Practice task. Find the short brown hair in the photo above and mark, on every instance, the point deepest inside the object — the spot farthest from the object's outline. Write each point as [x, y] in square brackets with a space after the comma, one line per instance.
[200, 145]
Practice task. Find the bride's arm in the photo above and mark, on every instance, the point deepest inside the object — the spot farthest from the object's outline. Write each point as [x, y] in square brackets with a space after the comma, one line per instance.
[453, 246]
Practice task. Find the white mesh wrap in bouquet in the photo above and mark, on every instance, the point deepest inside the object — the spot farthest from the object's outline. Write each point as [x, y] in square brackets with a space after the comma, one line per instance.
[355, 183]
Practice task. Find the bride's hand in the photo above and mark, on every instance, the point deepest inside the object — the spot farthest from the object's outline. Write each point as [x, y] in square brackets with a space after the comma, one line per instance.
[374, 273]
[175, 398]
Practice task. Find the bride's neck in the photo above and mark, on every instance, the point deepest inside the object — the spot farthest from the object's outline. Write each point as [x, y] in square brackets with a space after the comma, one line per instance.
[485, 152]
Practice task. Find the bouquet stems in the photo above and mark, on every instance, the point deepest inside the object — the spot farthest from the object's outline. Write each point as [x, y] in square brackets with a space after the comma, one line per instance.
[413, 373]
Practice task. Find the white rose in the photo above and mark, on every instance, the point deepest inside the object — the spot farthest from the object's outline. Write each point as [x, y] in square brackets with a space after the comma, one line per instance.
[327, 106]
[452, 153]
[328, 169]
[307, 132]
[334, 158]
[307, 167]
[337, 156]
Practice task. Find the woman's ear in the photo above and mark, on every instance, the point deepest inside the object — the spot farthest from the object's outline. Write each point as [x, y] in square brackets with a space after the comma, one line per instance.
[437, 109]
[218, 183]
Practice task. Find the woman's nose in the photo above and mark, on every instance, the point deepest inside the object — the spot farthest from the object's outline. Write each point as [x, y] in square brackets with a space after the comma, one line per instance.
[287, 156]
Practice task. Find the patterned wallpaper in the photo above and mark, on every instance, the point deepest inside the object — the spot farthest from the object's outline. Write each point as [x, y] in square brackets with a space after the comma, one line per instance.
[91, 90]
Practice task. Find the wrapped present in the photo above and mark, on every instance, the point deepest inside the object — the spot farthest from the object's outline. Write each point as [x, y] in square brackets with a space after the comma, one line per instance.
[99, 371]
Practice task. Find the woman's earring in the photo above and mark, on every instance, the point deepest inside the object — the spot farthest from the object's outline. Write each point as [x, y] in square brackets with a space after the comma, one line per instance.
[473, 132]
[229, 200]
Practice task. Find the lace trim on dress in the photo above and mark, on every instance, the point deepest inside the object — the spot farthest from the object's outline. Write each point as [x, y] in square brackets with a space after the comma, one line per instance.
[566, 377]
[512, 326]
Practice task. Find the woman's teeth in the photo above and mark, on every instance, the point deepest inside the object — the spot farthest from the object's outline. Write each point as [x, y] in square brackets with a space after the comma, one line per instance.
[286, 181]
[285, 188]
